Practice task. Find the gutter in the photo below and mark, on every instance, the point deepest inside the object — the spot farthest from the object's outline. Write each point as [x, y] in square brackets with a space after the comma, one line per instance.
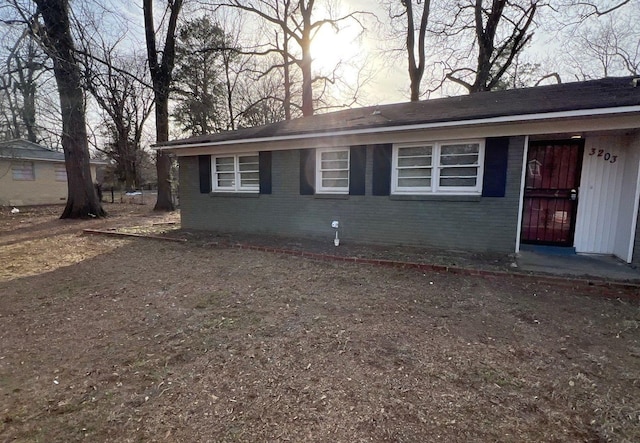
[413, 127]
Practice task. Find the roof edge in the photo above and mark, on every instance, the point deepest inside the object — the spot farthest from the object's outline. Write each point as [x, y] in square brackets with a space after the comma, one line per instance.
[52, 160]
[592, 112]
[27, 142]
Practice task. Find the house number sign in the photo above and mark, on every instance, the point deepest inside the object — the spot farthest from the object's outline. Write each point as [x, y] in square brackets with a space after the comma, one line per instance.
[606, 156]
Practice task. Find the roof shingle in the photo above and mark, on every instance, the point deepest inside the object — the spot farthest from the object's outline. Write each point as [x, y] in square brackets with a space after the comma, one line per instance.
[23, 149]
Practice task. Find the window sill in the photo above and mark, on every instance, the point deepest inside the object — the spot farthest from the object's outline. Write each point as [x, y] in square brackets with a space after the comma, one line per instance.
[436, 197]
[332, 196]
[235, 194]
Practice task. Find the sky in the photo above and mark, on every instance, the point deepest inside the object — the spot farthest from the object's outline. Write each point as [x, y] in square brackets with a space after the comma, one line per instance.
[391, 82]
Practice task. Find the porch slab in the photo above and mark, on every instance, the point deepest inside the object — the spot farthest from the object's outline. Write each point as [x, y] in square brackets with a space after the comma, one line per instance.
[565, 262]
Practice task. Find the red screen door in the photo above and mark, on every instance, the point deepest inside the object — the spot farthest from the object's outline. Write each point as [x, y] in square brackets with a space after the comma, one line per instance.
[550, 194]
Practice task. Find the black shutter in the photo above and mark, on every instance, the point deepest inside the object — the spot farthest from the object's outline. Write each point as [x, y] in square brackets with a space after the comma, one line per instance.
[204, 169]
[496, 154]
[307, 171]
[357, 167]
[264, 166]
[381, 170]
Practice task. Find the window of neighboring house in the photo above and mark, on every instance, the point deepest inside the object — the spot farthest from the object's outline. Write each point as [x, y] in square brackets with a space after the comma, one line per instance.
[332, 170]
[445, 167]
[23, 171]
[236, 173]
[61, 173]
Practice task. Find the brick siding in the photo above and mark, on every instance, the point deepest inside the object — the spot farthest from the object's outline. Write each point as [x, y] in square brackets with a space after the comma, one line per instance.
[458, 223]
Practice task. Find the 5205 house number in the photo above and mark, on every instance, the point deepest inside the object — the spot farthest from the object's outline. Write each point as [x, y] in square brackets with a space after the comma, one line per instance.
[606, 156]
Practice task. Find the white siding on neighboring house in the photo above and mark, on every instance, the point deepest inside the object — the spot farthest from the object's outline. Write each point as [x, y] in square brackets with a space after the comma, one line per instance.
[604, 195]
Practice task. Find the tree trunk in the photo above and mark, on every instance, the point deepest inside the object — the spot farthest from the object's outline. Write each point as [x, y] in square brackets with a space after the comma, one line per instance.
[28, 87]
[163, 161]
[82, 200]
[416, 68]
[29, 112]
[127, 158]
[307, 79]
[415, 76]
[415, 87]
[229, 92]
[287, 77]
[306, 10]
[307, 86]
[490, 67]
[129, 178]
[161, 75]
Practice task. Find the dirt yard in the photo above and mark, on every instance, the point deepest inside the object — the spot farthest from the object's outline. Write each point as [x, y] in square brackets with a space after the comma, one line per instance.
[134, 340]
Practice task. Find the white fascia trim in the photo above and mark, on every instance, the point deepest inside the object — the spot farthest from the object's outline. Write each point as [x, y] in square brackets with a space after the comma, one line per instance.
[447, 124]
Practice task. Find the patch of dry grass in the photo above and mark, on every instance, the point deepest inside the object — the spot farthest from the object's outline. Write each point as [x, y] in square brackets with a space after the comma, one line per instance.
[134, 340]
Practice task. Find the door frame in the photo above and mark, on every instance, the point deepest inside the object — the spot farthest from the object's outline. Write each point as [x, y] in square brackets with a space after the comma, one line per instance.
[523, 177]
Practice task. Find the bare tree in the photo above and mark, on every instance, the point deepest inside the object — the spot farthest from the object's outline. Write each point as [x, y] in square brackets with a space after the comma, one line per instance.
[606, 44]
[118, 81]
[19, 82]
[234, 65]
[416, 68]
[258, 93]
[501, 31]
[585, 9]
[54, 34]
[287, 59]
[161, 63]
[296, 22]
[262, 103]
[126, 104]
[407, 11]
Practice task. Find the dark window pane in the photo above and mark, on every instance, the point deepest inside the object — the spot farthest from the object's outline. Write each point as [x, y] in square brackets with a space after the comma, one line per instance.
[414, 182]
[463, 159]
[414, 151]
[459, 172]
[457, 181]
[472, 148]
[335, 183]
[408, 173]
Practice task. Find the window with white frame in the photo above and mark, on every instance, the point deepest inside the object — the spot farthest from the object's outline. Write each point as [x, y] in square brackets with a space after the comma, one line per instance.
[452, 167]
[332, 170]
[236, 173]
[23, 171]
[61, 173]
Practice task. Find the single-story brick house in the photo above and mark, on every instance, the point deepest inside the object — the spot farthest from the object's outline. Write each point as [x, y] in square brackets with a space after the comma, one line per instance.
[31, 174]
[552, 165]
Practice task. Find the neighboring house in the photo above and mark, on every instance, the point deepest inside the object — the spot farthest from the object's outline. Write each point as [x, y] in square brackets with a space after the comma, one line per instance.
[553, 165]
[31, 174]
